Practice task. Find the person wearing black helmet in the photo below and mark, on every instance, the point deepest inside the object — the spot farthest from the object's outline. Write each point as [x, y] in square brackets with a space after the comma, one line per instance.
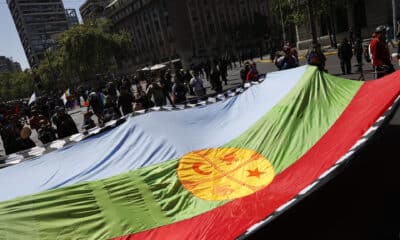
[380, 53]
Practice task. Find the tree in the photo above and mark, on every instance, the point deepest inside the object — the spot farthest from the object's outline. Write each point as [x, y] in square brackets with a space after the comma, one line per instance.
[85, 51]
[292, 12]
[16, 85]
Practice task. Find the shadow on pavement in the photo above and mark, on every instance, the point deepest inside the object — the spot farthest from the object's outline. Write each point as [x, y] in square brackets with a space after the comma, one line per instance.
[362, 202]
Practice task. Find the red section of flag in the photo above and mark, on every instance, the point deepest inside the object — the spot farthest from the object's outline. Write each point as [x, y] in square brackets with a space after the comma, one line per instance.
[232, 219]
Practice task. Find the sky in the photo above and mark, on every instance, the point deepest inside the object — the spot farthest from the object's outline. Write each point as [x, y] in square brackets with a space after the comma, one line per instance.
[10, 44]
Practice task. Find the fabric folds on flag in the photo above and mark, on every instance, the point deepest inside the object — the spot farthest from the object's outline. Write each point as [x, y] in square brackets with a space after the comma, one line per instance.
[203, 173]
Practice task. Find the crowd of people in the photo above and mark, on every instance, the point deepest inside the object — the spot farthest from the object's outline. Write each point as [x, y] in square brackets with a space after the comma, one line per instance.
[48, 115]
[375, 52]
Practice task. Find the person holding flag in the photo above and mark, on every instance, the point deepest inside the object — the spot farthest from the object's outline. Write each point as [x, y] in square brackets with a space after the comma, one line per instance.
[32, 99]
[65, 97]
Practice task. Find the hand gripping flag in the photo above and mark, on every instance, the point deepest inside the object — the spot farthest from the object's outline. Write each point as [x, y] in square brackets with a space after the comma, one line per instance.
[212, 172]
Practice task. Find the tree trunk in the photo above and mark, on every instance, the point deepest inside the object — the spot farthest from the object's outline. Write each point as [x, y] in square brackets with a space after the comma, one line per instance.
[312, 20]
[297, 36]
[282, 22]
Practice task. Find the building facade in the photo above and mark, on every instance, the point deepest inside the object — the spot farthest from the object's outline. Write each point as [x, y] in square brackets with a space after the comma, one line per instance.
[192, 30]
[93, 9]
[361, 16]
[37, 23]
[7, 65]
[226, 27]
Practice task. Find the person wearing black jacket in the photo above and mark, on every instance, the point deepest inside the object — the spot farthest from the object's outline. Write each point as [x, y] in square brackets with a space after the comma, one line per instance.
[215, 79]
[46, 132]
[345, 53]
[64, 123]
[125, 101]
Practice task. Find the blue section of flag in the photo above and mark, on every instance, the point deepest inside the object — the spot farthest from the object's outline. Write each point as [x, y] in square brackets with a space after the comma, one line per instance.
[148, 139]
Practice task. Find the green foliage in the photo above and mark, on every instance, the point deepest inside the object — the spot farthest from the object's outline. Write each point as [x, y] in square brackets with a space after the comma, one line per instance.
[16, 85]
[82, 52]
[295, 11]
[291, 11]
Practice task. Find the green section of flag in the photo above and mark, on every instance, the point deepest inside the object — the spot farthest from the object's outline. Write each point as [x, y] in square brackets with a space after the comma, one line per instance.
[153, 196]
[112, 207]
[295, 124]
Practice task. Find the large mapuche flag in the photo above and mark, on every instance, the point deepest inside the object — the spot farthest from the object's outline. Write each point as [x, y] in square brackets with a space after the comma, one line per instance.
[203, 173]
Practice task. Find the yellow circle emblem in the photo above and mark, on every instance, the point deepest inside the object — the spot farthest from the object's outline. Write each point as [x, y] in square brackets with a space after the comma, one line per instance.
[225, 173]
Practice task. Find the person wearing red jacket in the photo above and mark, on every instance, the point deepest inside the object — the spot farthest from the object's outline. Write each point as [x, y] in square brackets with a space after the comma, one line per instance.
[380, 53]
